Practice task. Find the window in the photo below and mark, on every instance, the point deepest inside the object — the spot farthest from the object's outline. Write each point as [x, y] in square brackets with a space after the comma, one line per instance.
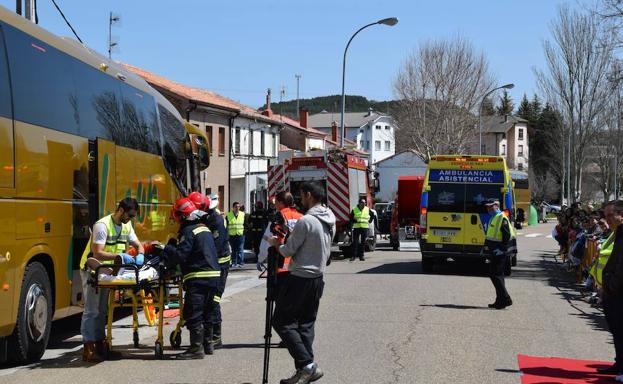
[221, 197]
[43, 83]
[387, 127]
[5, 88]
[208, 191]
[262, 144]
[520, 151]
[362, 144]
[446, 197]
[250, 143]
[377, 145]
[520, 133]
[209, 135]
[275, 145]
[367, 144]
[476, 195]
[237, 141]
[503, 150]
[387, 146]
[174, 145]
[221, 141]
[520, 166]
[138, 121]
[378, 127]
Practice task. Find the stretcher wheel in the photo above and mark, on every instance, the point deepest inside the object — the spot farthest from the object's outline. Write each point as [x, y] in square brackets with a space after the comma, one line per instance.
[176, 339]
[135, 339]
[158, 351]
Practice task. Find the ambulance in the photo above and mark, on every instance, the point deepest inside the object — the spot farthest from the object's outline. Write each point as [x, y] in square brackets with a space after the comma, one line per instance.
[454, 218]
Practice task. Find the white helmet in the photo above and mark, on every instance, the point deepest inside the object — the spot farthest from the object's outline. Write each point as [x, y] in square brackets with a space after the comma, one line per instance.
[213, 200]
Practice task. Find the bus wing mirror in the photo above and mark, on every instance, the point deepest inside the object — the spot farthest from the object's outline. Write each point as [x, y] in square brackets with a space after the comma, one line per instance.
[200, 150]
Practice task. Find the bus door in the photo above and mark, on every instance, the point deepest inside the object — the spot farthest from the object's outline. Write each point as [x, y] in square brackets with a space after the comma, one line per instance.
[446, 217]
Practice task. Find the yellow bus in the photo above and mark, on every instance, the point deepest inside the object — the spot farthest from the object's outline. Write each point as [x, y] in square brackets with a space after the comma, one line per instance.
[453, 214]
[77, 134]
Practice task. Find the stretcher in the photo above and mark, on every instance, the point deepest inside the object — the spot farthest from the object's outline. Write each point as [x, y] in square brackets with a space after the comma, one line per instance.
[151, 294]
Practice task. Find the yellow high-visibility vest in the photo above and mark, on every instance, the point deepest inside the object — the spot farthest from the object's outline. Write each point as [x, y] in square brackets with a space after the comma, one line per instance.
[494, 229]
[115, 243]
[602, 259]
[362, 217]
[235, 225]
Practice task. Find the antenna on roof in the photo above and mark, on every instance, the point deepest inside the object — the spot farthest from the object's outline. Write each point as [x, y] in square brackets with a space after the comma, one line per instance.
[113, 43]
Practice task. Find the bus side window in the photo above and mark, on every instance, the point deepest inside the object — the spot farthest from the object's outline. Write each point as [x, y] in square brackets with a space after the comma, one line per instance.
[7, 147]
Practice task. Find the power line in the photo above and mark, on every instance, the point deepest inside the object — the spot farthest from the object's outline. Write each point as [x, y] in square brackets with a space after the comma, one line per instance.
[66, 21]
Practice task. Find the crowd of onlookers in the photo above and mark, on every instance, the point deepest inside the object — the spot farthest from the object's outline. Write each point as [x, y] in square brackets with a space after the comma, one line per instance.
[581, 233]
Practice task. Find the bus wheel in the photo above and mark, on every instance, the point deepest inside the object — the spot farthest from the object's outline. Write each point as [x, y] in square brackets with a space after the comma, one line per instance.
[427, 265]
[34, 318]
[507, 267]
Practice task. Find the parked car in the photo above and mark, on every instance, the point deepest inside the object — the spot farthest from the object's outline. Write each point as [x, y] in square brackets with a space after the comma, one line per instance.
[552, 208]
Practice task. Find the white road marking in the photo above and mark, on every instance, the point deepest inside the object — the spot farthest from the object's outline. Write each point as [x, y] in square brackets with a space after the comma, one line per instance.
[549, 237]
[534, 235]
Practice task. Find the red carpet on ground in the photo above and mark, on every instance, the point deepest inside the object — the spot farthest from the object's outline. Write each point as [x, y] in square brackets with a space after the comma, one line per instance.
[550, 370]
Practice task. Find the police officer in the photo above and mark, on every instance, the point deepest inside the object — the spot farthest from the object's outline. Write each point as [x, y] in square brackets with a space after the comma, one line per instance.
[498, 236]
[612, 295]
[258, 220]
[360, 220]
[196, 255]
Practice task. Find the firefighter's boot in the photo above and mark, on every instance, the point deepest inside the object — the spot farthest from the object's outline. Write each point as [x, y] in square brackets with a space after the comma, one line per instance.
[208, 340]
[218, 341]
[195, 351]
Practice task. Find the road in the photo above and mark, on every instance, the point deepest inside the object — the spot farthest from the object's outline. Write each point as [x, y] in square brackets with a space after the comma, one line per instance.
[380, 321]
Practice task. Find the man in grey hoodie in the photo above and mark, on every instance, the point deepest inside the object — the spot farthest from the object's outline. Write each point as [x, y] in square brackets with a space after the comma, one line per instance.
[296, 306]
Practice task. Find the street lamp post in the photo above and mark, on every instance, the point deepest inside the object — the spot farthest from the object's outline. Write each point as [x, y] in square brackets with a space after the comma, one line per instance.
[505, 86]
[391, 21]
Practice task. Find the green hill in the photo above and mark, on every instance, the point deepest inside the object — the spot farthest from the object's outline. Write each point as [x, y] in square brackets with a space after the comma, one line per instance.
[331, 104]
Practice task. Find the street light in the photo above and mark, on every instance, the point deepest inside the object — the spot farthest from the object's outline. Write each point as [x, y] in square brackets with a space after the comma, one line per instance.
[505, 86]
[390, 21]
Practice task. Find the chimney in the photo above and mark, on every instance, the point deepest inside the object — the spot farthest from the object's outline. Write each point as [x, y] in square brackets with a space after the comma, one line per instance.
[268, 112]
[303, 116]
[334, 131]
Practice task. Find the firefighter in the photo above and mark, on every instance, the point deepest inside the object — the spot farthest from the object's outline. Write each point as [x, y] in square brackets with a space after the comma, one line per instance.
[360, 220]
[216, 224]
[498, 236]
[258, 220]
[196, 255]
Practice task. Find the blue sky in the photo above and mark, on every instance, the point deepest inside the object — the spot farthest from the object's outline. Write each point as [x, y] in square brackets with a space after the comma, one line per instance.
[241, 48]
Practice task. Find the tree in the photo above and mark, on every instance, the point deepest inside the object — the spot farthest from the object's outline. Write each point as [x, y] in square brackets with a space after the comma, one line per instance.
[506, 106]
[439, 88]
[488, 109]
[578, 61]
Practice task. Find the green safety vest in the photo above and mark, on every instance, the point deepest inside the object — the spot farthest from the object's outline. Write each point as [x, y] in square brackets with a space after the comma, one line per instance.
[115, 243]
[235, 225]
[494, 229]
[362, 217]
[602, 259]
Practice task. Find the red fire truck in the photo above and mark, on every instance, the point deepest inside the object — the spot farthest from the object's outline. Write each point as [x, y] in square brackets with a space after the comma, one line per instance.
[343, 174]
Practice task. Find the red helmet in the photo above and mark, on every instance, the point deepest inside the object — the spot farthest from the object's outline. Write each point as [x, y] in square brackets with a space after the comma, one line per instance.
[197, 199]
[183, 208]
[206, 203]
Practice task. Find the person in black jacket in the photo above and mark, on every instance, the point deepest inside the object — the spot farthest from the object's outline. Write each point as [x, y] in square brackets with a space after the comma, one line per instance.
[612, 296]
[197, 257]
[258, 221]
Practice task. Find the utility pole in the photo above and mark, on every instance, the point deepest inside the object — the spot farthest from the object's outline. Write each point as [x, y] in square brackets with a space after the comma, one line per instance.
[298, 78]
[111, 20]
[18, 7]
